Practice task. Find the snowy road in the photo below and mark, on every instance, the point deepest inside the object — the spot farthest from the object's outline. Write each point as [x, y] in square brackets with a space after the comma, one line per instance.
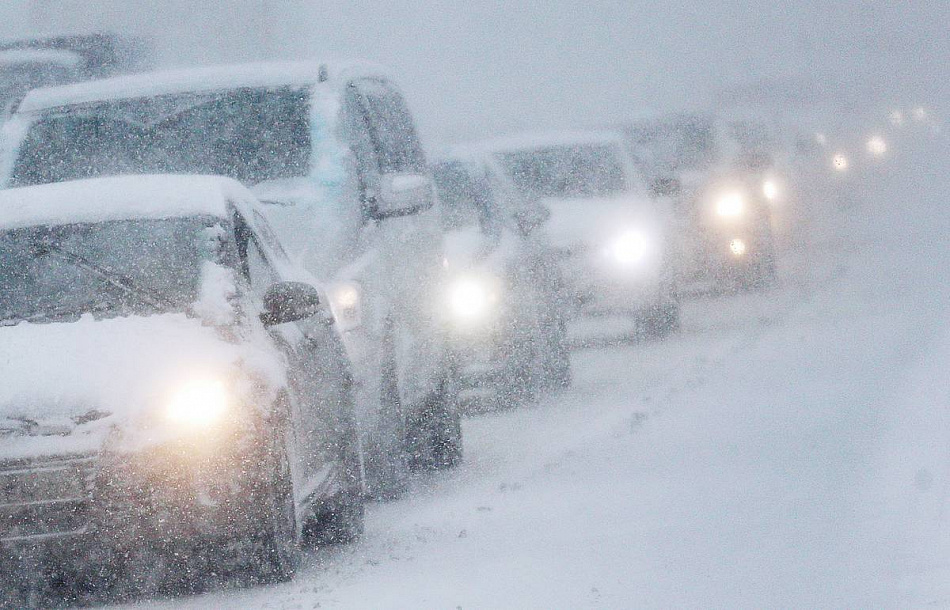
[789, 448]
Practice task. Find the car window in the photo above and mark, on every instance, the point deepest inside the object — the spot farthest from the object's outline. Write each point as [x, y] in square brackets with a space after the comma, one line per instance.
[391, 128]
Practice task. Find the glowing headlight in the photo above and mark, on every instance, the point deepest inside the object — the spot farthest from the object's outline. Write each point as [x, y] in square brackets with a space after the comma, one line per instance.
[737, 247]
[877, 146]
[821, 138]
[629, 248]
[840, 162]
[897, 118]
[470, 299]
[198, 404]
[770, 190]
[731, 205]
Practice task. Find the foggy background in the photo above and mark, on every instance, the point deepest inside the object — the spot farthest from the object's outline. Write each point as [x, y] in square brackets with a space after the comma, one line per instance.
[481, 67]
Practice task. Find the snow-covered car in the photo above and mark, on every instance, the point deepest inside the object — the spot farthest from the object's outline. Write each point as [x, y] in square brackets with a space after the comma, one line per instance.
[724, 177]
[506, 321]
[332, 150]
[619, 248]
[28, 63]
[173, 387]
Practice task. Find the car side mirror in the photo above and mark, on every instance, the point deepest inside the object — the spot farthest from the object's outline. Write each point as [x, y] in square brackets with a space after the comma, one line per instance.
[288, 302]
[403, 195]
[666, 187]
[528, 219]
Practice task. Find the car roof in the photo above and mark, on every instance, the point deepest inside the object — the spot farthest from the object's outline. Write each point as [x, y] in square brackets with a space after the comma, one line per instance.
[14, 57]
[198, 80]
[535, 140]
[121, 198]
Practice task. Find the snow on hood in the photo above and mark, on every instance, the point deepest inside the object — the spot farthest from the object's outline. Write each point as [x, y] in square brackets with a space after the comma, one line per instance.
[469, 248]
[593, 221]
[57, 372]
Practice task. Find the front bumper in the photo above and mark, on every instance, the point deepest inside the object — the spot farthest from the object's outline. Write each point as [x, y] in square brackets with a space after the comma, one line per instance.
[593, 286]
[76, 504]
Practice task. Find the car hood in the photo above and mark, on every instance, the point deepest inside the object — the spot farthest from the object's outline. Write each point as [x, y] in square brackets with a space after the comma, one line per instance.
[469, 248]
[593, 222]
[61, 377]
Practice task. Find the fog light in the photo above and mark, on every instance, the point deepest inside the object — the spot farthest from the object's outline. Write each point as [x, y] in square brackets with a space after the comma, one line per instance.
[737, 247]
[840, 162]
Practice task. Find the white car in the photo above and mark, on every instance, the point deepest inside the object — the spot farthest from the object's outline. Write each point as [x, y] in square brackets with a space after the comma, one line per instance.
[174, 389]
[619, 248]
[333, 151]
[506, 322]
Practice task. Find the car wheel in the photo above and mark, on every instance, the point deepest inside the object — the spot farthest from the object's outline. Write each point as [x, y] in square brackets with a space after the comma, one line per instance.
[435, 439]
[279, 552]
[340, 519]
[387, 462]
[556, 358]
[661, 320]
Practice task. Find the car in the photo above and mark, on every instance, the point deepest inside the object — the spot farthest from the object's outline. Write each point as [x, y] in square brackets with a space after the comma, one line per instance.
[723, 175]
[506, 320]
[618, 249]
[332, 150]
[28, 63]
[174, 387]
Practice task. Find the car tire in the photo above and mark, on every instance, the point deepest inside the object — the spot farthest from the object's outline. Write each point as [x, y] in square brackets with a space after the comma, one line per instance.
[340, 519]
[435, 438]
[387, 461]
[556, 358]
[660, 321]
[279, 544]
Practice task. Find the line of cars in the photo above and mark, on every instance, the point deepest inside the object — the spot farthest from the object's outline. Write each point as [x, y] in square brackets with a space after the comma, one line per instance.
[235, 302]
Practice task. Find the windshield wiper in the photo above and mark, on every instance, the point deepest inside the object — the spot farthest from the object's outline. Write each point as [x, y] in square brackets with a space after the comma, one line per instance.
[118, 280]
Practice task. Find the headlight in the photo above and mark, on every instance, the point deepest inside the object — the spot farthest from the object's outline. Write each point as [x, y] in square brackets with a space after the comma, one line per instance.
[920, 114]
[840, 162]
[877, 146]
[897, 118]
[770, 189]
[629, 248]
[731, 205]
[737, 247]
[471, 298]
[198, 404]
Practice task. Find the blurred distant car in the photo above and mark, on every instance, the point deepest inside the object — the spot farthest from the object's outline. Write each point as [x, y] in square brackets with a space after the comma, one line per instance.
[506, 322]
[173, 386]
[617, 248]
[29, 63]
[724, 177]
[332, 151]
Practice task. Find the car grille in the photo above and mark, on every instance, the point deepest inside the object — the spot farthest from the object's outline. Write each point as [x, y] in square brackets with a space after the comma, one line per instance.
[45, 499]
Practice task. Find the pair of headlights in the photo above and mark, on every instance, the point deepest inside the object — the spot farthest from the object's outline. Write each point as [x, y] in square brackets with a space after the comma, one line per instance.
[732, 205]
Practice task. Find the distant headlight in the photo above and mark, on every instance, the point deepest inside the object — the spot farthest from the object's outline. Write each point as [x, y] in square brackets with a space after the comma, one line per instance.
[840, 162]
[198, 404]
[731, 205]
[737, 247]
[771, 190]
[897, 118]
[920, 114]
[629, 248]
[471, 299]
[877, 146]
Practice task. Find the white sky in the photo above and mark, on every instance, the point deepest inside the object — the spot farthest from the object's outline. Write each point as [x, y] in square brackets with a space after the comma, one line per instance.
[479, 67]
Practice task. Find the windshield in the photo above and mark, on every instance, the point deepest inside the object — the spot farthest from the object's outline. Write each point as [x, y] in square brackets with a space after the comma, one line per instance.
[109, 268]
[583, 170]
[16, 80]
[665, 147]
[251, 135]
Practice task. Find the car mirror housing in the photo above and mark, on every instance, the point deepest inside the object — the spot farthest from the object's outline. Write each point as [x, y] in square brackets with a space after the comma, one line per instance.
[530, 218]
[288, 302]
[403, 195]
[666, 187]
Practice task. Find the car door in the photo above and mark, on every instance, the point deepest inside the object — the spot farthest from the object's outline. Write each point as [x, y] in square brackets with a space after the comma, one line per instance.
[409, 247]
[318, 382]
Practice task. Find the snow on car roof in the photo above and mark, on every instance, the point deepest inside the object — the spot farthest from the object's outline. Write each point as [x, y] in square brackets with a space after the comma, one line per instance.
[15, 57]
[529, 141]
[269, 74]
[119, 198]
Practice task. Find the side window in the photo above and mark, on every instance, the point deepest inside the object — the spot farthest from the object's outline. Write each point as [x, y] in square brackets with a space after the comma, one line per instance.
[254, 265]
[360, 139]
[392, 130]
